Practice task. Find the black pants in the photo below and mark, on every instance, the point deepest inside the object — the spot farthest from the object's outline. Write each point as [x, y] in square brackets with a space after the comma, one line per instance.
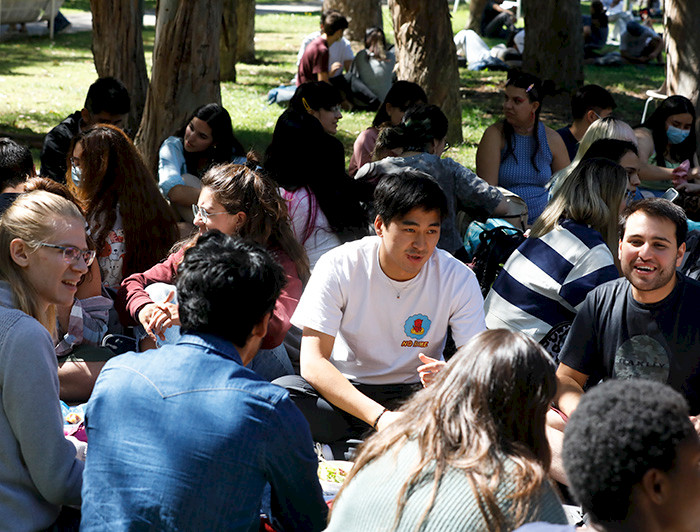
[330, 424]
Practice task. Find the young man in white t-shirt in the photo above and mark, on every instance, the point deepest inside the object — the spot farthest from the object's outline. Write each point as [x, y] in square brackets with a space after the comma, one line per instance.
[373, 306]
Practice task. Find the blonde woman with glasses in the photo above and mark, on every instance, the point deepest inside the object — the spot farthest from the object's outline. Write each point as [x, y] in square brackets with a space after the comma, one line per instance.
[43, 255]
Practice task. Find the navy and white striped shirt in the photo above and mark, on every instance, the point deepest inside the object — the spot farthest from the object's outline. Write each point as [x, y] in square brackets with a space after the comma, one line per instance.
[545, 281]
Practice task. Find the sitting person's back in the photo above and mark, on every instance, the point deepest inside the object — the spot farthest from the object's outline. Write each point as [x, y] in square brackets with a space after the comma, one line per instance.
[422, 137]
[186, 437]
[473, 439]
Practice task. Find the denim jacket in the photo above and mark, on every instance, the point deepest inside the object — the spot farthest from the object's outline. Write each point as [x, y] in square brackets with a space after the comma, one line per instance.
[186, 438]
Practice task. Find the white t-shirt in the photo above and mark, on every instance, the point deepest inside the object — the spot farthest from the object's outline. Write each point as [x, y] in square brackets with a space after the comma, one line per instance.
[338, 52]
[380, 325]
[304, 211]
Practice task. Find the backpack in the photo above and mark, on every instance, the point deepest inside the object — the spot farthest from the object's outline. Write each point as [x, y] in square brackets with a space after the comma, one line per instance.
[495, 246]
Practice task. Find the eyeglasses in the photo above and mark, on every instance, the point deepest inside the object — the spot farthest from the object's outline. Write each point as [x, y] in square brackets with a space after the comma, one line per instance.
[72, 254]
[204, 215]
[334, 109]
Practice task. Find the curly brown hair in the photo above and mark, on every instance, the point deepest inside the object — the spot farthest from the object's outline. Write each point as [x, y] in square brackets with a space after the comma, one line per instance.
[114, 174]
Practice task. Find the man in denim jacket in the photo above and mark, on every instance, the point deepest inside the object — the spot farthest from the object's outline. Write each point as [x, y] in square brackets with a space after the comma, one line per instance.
[186, 437]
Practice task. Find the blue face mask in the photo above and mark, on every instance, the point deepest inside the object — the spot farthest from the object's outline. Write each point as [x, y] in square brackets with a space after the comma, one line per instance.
[675, 135]
[76, 175]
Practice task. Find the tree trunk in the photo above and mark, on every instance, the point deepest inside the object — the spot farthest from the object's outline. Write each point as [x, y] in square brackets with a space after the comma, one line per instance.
[554, 42]
[681, 20]
[476, 10]
[117, 49]
[361, 14]
[228, 41]
[185, 69]
[245, 26]
[427, 56]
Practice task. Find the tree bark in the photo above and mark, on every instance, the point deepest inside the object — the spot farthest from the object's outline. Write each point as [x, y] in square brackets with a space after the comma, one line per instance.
[476, 10]
[185, 69]
[245, 26]
[681, 20]
[117, 49]
[361, 14]
[427, 56]
[228, 42]
[554, 42]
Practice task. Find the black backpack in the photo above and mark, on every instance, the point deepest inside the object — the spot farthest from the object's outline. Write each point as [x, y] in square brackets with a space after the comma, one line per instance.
[495, 246]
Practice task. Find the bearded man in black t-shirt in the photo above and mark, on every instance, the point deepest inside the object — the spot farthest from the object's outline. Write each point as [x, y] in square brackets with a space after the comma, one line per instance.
[641, 326]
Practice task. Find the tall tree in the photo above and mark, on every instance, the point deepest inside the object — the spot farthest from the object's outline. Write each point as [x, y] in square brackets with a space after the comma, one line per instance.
[228, 42]
[681, 20]
[117, 49]
[245, 27]
[185, 69]
[426, 55]
[361, 14]
[476, 10]
[554, 42]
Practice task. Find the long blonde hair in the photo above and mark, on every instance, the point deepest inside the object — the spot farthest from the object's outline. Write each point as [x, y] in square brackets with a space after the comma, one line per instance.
[591, 195]
[488, 404]
[604, 128]
[32, 217]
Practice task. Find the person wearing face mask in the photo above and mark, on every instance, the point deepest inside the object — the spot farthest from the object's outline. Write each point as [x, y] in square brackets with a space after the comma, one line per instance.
[131, 224]
[206, 139]
[237, 201]
[667, 142]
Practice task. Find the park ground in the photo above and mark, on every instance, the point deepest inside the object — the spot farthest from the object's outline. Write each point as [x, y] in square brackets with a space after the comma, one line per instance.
[42, 81]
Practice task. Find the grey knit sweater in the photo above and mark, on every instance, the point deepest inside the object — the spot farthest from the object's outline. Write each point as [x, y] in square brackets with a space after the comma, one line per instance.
[370, 500]
[38, 468]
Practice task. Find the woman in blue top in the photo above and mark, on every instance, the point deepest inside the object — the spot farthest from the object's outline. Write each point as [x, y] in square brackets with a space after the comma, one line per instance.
[520, 153]
[205, 140]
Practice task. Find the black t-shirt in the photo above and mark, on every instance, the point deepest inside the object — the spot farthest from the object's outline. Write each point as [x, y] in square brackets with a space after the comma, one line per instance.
[56, 146]
[615, 336]
[569, 140]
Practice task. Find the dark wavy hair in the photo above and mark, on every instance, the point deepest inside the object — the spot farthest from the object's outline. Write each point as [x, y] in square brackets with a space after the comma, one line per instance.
[620, 430]
[225, 145]
[487, 405]
[303, 155]
[532, 85]
[114, 173]
[218, 270]
[673, 105]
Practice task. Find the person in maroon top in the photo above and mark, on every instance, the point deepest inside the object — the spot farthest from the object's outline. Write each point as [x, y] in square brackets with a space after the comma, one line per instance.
[236, 201]
[314, 63]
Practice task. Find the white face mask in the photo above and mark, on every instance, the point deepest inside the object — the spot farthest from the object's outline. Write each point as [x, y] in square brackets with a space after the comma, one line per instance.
[76, 175]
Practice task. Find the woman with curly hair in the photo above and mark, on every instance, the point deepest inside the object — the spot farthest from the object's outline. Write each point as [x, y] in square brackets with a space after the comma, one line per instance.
[236, 201]
[131, 224]
[469, 452]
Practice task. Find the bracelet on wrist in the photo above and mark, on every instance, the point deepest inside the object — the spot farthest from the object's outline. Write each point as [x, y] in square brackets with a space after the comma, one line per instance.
[374, 425]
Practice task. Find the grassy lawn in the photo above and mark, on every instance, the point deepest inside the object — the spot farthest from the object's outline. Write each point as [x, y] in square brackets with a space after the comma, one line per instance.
[42, 81]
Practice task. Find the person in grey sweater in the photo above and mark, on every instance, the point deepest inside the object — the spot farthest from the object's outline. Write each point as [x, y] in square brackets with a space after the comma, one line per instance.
[469, 451]
[42, 258]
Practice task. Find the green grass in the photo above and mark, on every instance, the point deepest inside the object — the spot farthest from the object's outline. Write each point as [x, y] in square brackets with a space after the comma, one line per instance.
[42, 81]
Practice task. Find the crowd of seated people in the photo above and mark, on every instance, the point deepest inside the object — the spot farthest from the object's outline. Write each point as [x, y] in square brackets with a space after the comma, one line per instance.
[317, 311]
